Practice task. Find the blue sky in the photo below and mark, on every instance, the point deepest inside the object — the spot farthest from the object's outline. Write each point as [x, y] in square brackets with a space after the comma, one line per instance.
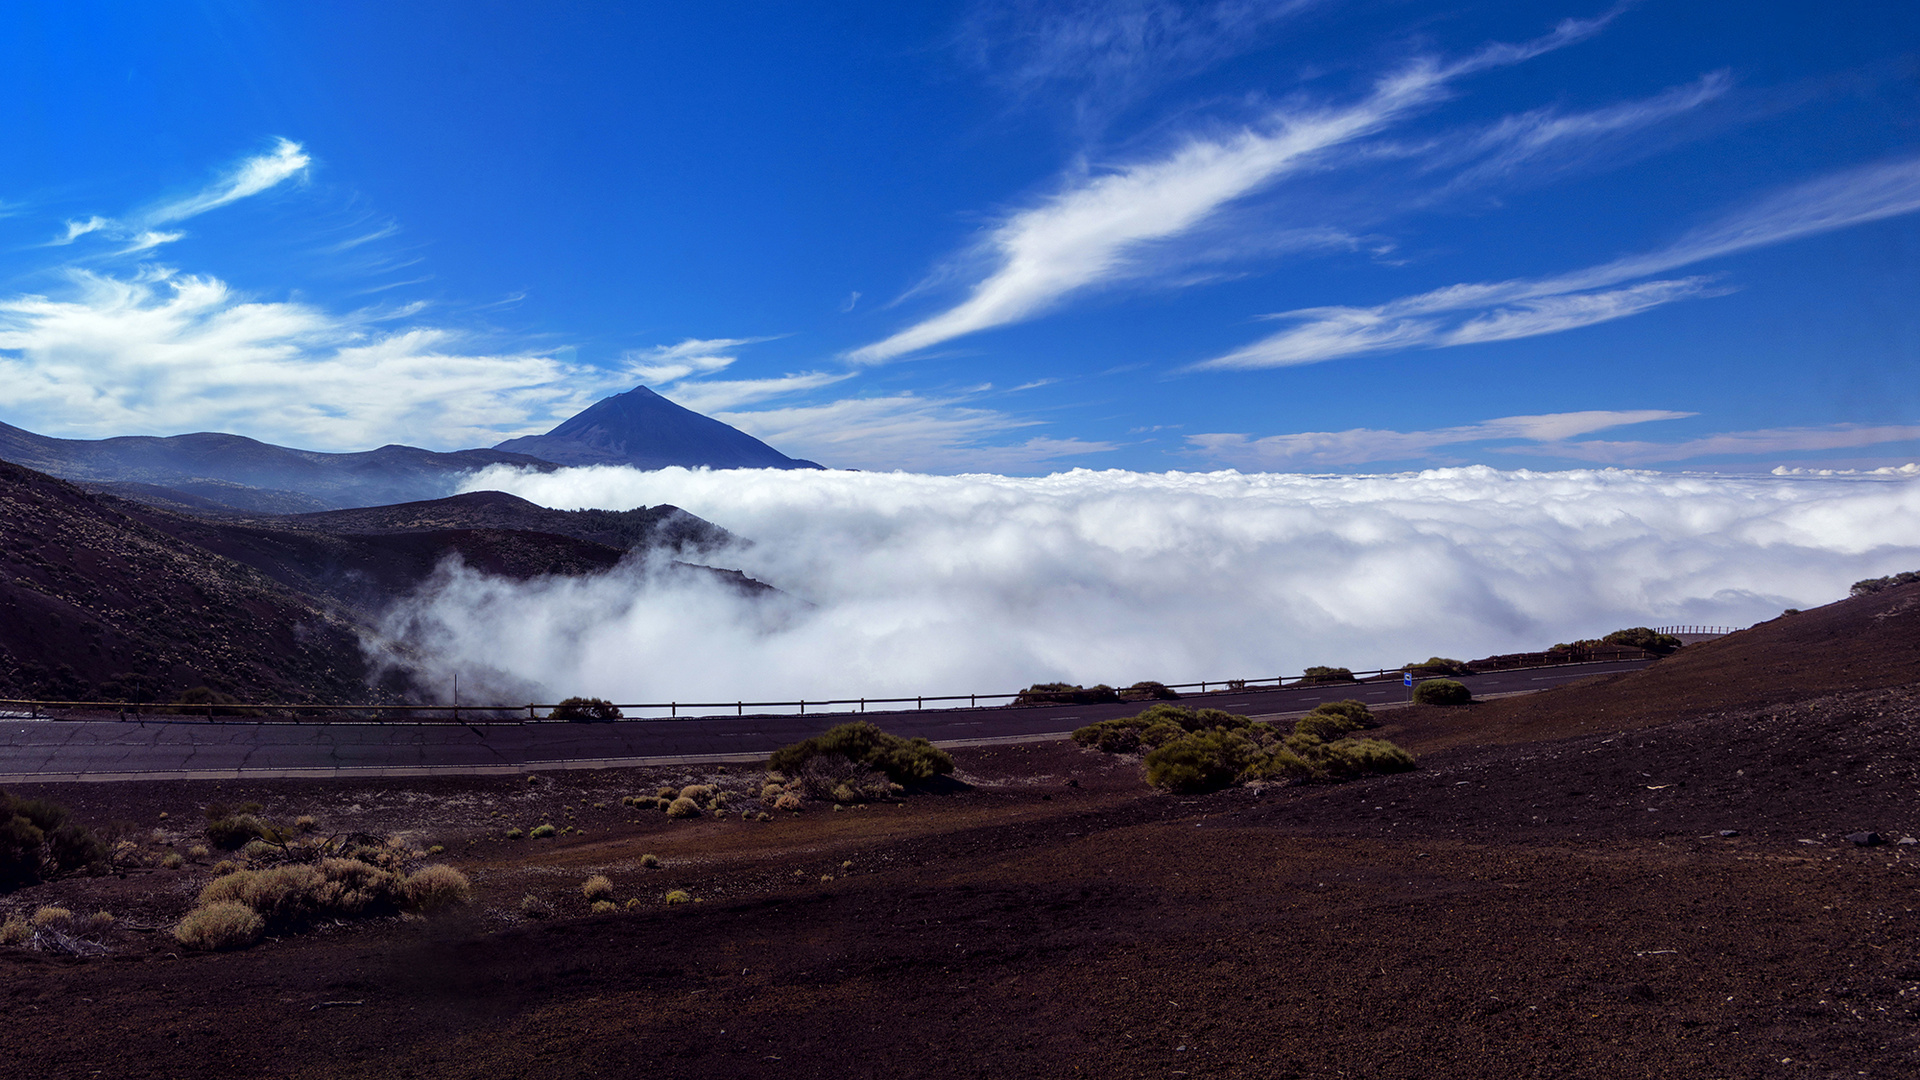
[1310, 235]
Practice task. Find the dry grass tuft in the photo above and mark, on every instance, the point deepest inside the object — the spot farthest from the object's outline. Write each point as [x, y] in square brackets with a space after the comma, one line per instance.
[598, 887]
[51, 916]
[435, 888]
[226, 924]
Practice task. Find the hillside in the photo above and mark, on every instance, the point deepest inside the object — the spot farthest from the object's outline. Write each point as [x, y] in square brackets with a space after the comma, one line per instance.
[1862, 643]
[99, 603]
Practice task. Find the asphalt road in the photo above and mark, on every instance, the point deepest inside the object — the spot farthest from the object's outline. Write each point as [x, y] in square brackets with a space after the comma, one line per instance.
[68, 750]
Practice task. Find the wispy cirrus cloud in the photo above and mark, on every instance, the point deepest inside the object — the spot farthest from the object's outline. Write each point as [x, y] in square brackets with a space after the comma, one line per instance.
[1108, 52]
[1552, 137]
[1362, 445]
[1099, 228]
[1525, 307]
[250, 176]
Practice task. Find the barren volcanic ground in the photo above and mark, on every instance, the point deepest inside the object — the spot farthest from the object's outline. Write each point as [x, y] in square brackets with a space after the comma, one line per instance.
[1579, 883]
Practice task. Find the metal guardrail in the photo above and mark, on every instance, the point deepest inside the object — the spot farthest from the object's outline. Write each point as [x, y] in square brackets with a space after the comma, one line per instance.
[12, 708]
[1698, 629]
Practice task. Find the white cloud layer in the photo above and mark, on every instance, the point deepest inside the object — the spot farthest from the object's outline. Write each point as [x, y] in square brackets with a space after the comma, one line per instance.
[1525, 307]
[1097, 228]
[161, 353]
[924, 584]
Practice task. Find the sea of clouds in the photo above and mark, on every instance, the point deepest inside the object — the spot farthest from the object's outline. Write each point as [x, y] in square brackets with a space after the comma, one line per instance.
[899, 583]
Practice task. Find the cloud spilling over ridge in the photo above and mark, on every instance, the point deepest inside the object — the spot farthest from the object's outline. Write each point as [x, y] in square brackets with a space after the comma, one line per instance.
[928, 584]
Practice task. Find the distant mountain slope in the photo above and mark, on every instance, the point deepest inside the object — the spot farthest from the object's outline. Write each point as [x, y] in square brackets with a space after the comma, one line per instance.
[642, 429]
[95, 602]
[642, 527]
[235, 471]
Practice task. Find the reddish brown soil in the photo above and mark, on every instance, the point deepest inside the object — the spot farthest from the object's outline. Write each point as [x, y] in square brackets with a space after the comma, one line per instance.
[1550, 894]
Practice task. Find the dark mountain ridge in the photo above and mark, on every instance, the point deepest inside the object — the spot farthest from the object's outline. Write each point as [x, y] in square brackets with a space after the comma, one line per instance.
[642, 429]
[250, 475]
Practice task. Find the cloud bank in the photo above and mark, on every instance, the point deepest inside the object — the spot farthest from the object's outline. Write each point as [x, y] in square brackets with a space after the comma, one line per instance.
[926, 584]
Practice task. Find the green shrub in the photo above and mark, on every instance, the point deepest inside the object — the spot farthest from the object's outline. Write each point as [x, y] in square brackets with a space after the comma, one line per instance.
[1202, 761]
[1156, 726]
[903, 761]
[15, 930]
[604, 907]
[1324, 726]
[172, 860]
[296, 895]
[683, 807]
[584, 710]
[1317, 676]
[650, 861]
[1640, 637]
[696, 792]
[39, 839]
[1437, 666]
[1874, 585]
[1149, 691]
[1371, 756]
[223, 924]
[516, 834]
[1441, 692]
[1059, 693]
[678, 896]
[542, 832]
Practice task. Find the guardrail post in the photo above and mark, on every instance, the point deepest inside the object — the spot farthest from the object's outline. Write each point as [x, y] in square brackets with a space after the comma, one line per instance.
[863, 704]
[919, 703]
[739, 708]
[803, 706]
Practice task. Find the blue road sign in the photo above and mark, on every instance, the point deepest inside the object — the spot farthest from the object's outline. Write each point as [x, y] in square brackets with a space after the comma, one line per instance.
[1409, 678]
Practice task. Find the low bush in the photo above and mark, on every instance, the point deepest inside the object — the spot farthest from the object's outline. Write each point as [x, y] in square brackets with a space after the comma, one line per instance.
[305, 823]
[696, 792]
[1153, 728]
[15, 930]
[1318, 676]
[435, 888]
[231, 827]
[52, 916]
[40, 839]
[1873, 585]
[597, 887]
[172, 860]
[1149, 691]
[516, 834]
[1441, 692]
[1059, 693]
[1196, 750]
[585, 710]
[678, 896]
[224, 924]
[604, 907]
[903, 761]
[1640, 637]
[542, 832]
[533, 907]
[683, 807]
[1437, 666]
[789, 801]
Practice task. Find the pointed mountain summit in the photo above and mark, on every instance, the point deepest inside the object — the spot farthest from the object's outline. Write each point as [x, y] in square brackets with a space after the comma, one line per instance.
[642, 429]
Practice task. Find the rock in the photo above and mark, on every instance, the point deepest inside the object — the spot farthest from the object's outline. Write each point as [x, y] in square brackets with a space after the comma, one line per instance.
[1864, 839]
[1905, 840]
[1729, 832]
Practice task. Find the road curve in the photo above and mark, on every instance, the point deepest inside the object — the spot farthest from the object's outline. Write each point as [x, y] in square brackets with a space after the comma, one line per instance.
[180, 748]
